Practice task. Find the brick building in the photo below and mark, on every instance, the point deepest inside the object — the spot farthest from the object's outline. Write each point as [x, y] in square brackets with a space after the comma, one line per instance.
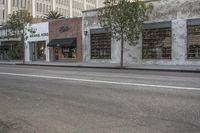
[65, 40]
[56, 40]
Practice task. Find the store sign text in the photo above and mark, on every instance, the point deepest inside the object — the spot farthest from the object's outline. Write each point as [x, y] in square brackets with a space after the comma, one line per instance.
[39, 35]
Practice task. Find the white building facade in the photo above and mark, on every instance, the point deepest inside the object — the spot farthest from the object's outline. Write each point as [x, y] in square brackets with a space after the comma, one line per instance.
[36, 42]
[68, 8]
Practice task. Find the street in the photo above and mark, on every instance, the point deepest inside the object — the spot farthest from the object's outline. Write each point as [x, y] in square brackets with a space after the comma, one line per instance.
[36, 99]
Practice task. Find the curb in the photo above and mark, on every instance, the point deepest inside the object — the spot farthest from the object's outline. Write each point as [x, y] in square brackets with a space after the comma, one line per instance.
[116, 68]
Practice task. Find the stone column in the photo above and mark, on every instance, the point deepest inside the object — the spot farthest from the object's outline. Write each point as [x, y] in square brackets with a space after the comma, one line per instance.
[33, 8]
[179, 42]
[9, 5]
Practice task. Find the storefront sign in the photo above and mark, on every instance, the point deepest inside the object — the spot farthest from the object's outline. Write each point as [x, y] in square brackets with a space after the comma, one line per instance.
[39, 35]
[63, 29]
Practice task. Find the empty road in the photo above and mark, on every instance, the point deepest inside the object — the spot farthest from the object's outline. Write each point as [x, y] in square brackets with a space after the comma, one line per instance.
[37, 99]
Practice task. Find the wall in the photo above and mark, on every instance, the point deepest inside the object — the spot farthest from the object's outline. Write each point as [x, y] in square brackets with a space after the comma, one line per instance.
[41, 34]
[164, 10]
[74, 31]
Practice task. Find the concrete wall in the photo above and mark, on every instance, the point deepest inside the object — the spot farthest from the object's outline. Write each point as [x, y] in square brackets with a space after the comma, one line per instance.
[164, 10]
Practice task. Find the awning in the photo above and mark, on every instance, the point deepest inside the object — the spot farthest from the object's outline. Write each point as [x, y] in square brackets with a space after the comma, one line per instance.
[66, 42]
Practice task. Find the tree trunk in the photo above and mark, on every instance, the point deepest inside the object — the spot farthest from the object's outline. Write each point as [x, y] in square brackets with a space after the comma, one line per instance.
[122, 50]
[23, 46]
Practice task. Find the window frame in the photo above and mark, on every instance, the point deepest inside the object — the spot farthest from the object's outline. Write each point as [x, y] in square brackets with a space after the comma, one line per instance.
[100, 31]
[191, 22]
[158, 25]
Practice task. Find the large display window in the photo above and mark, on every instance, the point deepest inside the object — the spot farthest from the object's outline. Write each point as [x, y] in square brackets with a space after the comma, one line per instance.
[100, 46]
[194, 42]
[37, 51]
[157, 42]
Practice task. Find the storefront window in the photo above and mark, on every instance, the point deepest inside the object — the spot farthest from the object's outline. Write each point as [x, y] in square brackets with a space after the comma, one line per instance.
[194, 42]
[69, 52]
[37, 50]
[157, 43]
[100, 46]
[40, 50]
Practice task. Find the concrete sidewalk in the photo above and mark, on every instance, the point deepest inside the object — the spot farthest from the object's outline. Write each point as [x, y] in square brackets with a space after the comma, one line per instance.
[179, 68]
[176, 68]
[11, 62]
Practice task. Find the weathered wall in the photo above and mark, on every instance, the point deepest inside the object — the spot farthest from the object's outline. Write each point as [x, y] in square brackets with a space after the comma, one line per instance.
[176, 11]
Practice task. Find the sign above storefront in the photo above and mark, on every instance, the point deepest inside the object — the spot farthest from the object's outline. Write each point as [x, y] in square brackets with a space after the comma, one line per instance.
[63, 29]
[39, 35]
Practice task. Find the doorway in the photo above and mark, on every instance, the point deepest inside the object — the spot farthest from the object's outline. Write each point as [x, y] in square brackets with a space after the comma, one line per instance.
[37, 51]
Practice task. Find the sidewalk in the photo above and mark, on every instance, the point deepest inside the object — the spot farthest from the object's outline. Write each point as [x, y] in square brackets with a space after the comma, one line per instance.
[11, 62]
[175, 68]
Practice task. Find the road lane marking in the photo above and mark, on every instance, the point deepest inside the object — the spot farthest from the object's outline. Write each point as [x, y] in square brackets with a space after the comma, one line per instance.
[100, 81]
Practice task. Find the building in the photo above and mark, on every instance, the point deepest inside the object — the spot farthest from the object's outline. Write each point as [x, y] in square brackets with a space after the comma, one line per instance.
[170, 37]
[56, 40]
[36, 42]
[65, 40]
[68, 8]
[8, 41]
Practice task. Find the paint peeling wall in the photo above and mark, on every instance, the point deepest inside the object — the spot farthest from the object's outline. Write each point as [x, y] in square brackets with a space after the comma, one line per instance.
[176, 11]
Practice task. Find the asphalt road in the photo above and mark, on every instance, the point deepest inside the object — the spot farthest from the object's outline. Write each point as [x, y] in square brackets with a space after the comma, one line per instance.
[74, 100]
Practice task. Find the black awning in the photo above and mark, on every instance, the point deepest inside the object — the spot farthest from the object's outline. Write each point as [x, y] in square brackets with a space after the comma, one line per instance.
[65, 42]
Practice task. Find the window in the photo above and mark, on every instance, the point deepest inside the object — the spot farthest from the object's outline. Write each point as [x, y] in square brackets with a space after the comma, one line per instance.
[37, 7]
[40, 7]
[100, 44]
[194, 39]
[21, 3]
[43, 8]
[47, 7]
[157, 41]
[17, 3]
[24, 3]
[68, 52]
[13, 2]
[3, 14]
[28, 4]
[50, 8]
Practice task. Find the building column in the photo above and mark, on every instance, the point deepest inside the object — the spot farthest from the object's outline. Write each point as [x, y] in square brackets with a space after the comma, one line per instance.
[97, 4]
[70, 8]
[9, 6]
[33, 8]
[84, 2]
[179, 42]
[54, 5]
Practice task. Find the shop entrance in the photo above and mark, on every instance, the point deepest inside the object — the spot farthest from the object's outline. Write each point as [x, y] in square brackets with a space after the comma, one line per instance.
[37, 51]
[63, 49]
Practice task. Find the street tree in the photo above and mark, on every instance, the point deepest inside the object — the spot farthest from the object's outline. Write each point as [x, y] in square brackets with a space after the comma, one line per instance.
[17, 22]
[124, 19]
[53, 15]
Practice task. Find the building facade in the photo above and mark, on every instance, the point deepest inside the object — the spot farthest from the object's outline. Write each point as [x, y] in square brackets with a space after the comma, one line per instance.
[68, 8]
[9, 40]
[37, 38]
[170, 37]
[65, 40]
[54, 41]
